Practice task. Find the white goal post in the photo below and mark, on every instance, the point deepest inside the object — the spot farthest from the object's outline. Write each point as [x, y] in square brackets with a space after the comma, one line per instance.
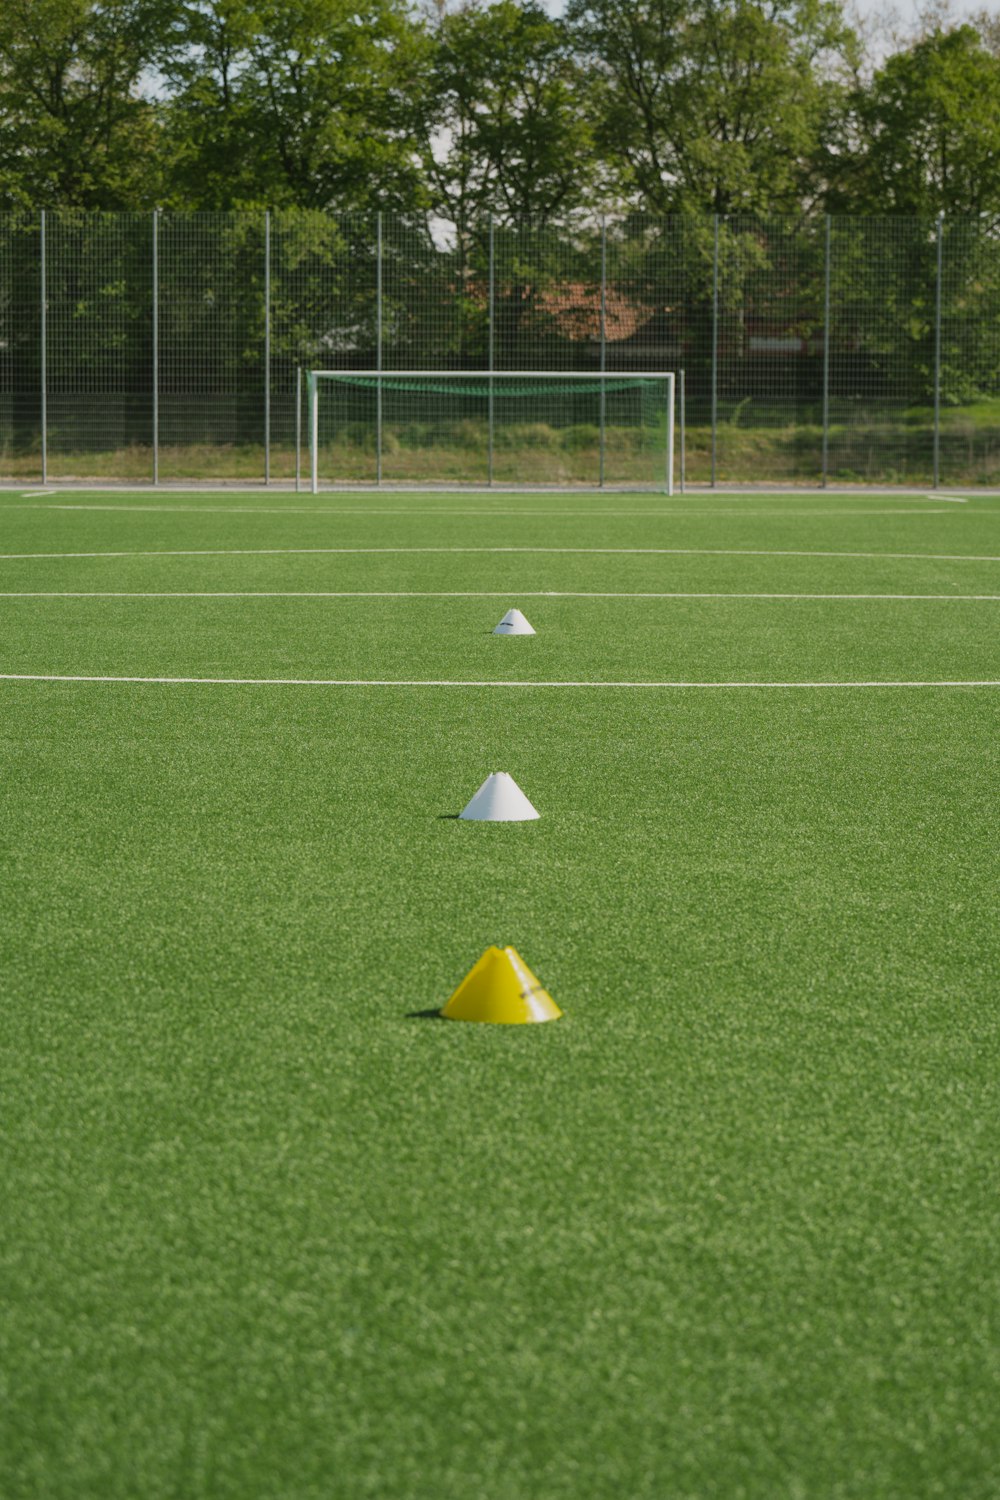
[492, 385]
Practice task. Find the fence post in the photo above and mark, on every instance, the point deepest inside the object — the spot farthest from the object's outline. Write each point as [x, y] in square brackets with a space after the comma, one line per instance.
[156, 346]
[312, 396]
[826, 353]
[491, 415]
[937, 352]
[44, 295]
[604, 342]
[298, 428]
[267, 346]
[378, 348]
[715, 344]
[668, 478]
[682, 402]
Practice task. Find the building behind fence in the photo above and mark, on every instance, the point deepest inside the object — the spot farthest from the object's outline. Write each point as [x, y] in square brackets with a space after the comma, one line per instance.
[164, 346]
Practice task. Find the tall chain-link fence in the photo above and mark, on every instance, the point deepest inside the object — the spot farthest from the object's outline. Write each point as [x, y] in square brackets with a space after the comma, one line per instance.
[813, 350]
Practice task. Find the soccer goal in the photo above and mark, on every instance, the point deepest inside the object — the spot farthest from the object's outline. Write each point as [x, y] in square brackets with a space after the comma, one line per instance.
[536, 428]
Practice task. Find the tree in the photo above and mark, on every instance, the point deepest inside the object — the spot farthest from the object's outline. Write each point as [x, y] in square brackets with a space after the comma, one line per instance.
[77, 128]
[987, 23]
[505, 128]
[711, 104]
[924, 138]
[507, 140]
[295, 102]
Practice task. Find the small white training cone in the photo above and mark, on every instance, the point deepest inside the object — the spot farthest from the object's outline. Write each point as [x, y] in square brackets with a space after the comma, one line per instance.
[514, 623]
[499, 800]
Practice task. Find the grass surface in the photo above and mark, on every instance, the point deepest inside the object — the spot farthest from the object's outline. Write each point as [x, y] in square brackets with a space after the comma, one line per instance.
[728, 1229]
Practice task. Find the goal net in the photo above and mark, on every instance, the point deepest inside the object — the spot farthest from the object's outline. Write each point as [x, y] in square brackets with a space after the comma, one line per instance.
[516, 427]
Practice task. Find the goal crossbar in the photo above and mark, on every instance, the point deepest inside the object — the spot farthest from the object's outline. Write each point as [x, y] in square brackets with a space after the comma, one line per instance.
[487, 380]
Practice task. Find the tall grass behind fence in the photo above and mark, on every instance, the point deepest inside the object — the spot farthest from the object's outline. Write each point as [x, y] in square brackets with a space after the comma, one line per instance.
[814, 350]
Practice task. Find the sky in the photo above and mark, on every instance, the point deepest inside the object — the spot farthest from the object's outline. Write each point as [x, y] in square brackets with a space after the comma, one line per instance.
[907, 11]
[887, 26]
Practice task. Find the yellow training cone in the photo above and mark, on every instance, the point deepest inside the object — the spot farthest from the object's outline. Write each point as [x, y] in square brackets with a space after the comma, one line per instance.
[500, 987]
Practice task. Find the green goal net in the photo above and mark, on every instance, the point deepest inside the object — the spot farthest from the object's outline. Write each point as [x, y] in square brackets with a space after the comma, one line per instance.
[531, 428]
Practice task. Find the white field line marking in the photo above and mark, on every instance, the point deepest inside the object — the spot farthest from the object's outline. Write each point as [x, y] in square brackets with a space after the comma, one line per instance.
[450, 683]
[32, 495]
[501, 551]
[337, 510]
[473, 594]
[344, 510]
[364, 498]
[389, 490]
[679, 512]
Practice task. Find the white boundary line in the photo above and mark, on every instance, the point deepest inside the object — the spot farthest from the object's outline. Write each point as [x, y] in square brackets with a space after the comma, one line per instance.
[391, 682]
[501, 551]
[697, 490]
[479, 594]
[679, 512]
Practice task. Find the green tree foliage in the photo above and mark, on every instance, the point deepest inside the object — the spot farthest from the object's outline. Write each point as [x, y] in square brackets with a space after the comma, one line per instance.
[924, 138]
[711, 104]
[494, 109]
[295, 102]
[76, 129]
[507, 138]
[987, 23]
[505, 125]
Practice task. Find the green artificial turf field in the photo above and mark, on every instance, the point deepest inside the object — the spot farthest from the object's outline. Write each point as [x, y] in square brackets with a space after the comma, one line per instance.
[728, 1229]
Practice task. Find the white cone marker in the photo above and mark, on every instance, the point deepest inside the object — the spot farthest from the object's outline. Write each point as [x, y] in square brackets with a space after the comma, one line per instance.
[499, 800]
[514, 623]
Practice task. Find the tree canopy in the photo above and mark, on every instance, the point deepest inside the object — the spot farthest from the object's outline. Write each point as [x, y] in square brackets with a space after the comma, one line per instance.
[293, 102]
[505, 117]
[76, 127]
[924, 137]
[491, 107]
[710, 104]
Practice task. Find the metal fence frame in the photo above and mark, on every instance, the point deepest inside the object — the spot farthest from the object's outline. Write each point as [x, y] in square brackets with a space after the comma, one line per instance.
[822, 334]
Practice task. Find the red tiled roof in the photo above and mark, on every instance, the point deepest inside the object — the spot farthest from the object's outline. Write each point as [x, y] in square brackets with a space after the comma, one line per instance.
[575, 308]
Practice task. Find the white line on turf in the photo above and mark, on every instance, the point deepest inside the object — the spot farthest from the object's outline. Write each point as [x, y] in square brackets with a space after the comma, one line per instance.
[680, 511]
[391, 682]
[696, 491]
[500, 551]
[471, 594]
